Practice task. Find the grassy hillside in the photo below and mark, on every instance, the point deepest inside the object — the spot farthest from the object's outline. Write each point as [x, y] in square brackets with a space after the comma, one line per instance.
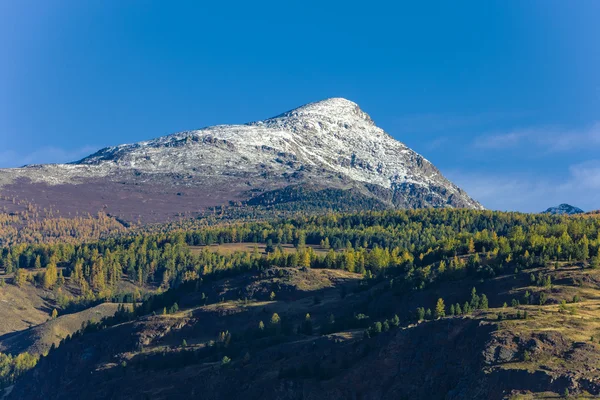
[23, 307]
[39, 339]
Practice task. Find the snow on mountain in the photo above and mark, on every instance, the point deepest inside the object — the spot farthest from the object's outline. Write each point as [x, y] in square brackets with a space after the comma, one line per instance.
[564, 209]
[330, 143]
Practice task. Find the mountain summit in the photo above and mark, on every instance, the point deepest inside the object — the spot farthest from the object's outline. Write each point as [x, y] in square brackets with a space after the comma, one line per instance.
[564, 209]
[334, 108]
[330, 144]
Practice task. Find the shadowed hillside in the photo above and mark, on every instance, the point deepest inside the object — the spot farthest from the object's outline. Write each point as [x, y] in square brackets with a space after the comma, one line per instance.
[219, 350]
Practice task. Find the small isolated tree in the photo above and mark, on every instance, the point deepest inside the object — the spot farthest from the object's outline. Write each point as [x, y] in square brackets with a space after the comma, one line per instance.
[307, 327]
[440, 309]
[50, 275]
[20, 277]
[226, 360]
[471, 246]
[562, 307]
[484, 302]
[275, 319]
[475, 300]
[377, 328]
[420, 313]
[272, 296]
[54, 313]
[595, 262]
[261, 325]
[184, 343]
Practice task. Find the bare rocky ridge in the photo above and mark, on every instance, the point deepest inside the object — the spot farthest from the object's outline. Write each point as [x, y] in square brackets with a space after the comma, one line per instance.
[328, 144]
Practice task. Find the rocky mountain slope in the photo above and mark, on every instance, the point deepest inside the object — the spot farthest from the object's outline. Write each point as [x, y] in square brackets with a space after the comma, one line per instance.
[564, 209]
[331, 144]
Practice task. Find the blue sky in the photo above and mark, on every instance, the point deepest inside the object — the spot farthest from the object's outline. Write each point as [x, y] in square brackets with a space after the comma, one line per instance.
[502, 96]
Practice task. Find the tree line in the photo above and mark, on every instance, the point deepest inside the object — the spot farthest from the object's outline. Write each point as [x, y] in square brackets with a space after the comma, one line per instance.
[426, 244]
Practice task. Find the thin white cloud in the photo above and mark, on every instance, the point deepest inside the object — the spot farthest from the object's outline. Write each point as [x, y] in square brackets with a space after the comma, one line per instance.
[501, 141]
[587, 174]
[44, 155]
[448, 122]
[550, 139]
[533, 193]
[437, 143]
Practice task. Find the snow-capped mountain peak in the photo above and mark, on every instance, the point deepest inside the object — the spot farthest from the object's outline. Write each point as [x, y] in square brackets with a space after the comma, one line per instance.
[329, 144]
[333, 109]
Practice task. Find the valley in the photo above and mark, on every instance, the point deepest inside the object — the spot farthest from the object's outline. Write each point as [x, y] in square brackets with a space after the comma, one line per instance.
[297, 201]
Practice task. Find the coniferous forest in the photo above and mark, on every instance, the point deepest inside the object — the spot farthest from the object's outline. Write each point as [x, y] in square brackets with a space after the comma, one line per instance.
[388, 271]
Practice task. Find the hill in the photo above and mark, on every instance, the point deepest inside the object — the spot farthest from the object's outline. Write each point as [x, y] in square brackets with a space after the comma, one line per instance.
[218, 350]
[24, 307]
[432, 303]
[40, 338]
[564, 209]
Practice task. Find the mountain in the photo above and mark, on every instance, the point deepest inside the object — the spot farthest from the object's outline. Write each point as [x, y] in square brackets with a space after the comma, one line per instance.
[564, 209]
[328, 145]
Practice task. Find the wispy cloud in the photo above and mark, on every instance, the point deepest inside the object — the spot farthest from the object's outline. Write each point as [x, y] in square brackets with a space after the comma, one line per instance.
[579, 186]
[550, 139]
[448, 122]
[44, 155]
[437, 143]
[587, 174]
